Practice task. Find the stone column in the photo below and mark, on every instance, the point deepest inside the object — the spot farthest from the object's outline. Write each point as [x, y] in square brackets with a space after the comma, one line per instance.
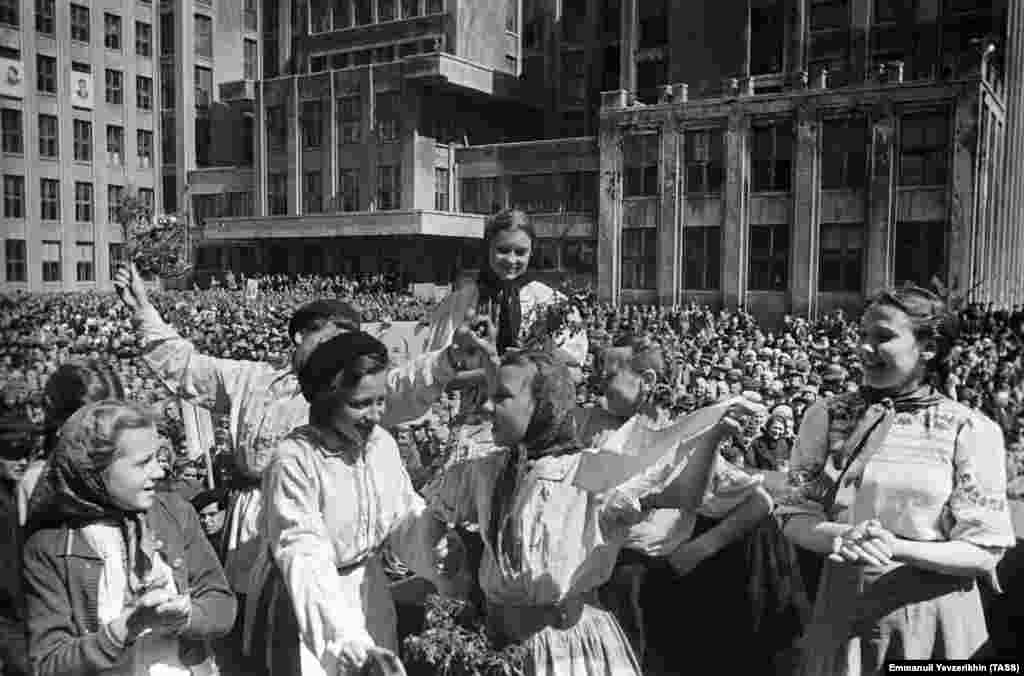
[185, 93]
[805, 230]
[294, 148]
[669, 220]
[797, 26]
[609, 230]
[735, 232]
[881, 201]
[963, 230]
[628, 45]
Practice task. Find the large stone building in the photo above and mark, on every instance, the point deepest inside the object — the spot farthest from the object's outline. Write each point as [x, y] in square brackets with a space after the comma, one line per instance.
[93, 108]
[785, 155]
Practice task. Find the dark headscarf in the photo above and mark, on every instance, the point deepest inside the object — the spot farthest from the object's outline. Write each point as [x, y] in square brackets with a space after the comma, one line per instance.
[551, 432]
[499, 299]
[72, 492]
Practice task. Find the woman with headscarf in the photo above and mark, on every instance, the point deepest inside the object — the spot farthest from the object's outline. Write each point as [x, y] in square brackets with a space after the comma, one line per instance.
[118, 578]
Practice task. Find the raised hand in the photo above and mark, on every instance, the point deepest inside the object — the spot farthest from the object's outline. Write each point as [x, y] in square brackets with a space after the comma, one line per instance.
[130, 288]
[733, 420]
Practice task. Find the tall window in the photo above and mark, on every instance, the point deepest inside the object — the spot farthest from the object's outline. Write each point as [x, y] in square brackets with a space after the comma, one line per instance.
[387, 10]
[116, 257]
[49, 135]
[844, 153]
[921, 253]
[86, 262]
[168, 139]
[83, 140]
[83, 202]
[512, 16]
[115, 87]
[320, 17]
[143, 39]
[639, 258]
[705, 162]
[479, 195]
[277, 128]
[387, 117]
[389, 187]
[112, 31]
[144, 143]
[250, 56]
[653, 20]
[204, 86]
[363, 12]
[829, 45]
[580, 191]
[766, 42]
[204, 36]
[348, 189]
[313, 192]
[277, 193]
[312, 120]
[16, 258]
[46, 74]
[13, 136]
[924, 149]
[435, 6]
[49, 199]
[640, 160]
[772, 154]
[167, 90]
[410, 8]
[350, 119]
[441, 190]
[702, 257]
[51, 261]
[574, 79]
[45, 17]
[167, 34]
[79, 23]
[115, 193]
[14, 196]
[769, 257]
[841, 264]
[250, 15]
[143, 92]
[115, 145]
[170, 190]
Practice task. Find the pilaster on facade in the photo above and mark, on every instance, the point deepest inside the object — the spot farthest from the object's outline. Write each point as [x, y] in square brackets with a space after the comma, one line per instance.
[881, 200]
[736, 230]
[964, 211]
[628, 45]
[609, 234]
[806, 196]
[669, 247]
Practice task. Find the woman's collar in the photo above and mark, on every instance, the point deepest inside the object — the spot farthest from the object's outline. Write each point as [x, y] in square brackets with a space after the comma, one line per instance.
[336, 444]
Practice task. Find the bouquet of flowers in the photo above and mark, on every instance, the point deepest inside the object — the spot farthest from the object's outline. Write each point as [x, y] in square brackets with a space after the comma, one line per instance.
[456, 643]
[158, 247]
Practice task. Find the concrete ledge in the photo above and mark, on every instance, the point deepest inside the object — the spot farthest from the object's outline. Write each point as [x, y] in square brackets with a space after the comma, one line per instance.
[348, 224]
[462, 73]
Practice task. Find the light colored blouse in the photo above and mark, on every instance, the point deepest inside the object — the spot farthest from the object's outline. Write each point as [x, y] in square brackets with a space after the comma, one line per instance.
[327, 514]
[939, 473]
[149, 655]
[564, 549]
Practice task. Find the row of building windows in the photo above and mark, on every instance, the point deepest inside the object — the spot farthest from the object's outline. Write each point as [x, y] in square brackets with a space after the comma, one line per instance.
[80, 30]
[82, 142]
[49, 199]
[923, 156]
[355, 58]
[47, 82]
[840, 262]
[16, 260]
[314, 201]
[328, 15]
[533, 193]
[349, 111]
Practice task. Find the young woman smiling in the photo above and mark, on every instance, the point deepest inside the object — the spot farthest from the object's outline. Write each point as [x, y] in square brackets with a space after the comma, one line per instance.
[118, 578]
[905, 491]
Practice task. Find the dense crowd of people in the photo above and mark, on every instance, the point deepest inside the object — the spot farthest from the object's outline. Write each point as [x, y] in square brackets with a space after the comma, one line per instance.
[268, 594]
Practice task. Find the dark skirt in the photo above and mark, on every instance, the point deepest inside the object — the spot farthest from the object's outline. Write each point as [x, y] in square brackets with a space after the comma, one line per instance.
[745, 604]
[276, 645]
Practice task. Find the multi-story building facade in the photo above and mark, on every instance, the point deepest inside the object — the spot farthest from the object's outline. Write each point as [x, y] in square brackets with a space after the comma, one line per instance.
[809, 152]
[85, 91]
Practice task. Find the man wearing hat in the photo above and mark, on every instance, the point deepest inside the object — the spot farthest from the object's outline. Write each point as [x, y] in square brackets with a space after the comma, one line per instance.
[17, 441]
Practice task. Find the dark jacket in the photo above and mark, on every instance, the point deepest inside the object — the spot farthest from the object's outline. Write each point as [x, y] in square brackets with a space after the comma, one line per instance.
[62, 574]
[767, 454]
[13, 647]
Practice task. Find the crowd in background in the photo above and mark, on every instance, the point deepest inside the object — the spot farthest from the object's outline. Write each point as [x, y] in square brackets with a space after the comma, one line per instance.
[713, 353]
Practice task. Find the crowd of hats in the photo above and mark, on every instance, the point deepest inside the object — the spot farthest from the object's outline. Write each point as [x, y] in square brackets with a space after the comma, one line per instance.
[718, 352]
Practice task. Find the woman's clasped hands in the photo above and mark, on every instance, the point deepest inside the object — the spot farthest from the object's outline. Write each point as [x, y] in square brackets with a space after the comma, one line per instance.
[867, 544]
